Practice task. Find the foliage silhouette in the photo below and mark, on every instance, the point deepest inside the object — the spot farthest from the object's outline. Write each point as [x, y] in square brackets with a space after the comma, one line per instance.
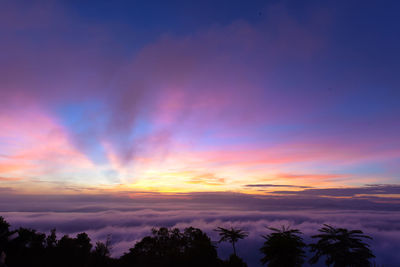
[4, 233]
[26, 249]
[51, 252]
[101, 255]
[169, 247]
[231, 235]
[342, 248]
[103, 249]
[74, 251]
[283, 248]
[165, 247]
[234, 261]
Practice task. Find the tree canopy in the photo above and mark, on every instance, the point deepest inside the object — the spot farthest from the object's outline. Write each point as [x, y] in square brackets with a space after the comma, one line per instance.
[341, 247]
[170, 247]
[166, 247]
[232, 236]
[283, 248]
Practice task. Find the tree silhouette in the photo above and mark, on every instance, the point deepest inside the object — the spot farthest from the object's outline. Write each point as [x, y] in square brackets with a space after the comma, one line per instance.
[172, 248]
[103, 250]
[283, 248]
[234, 261]
[51, 252]
[198, 248]
[231, 235]
[74, 251]
[51, 240]
[341, 247]
[165, 247]
[101, 254]
[4, 233]
[26, 249]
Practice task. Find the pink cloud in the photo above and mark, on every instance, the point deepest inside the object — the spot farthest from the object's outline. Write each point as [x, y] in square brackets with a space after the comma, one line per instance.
[36, 144]
[11, 178]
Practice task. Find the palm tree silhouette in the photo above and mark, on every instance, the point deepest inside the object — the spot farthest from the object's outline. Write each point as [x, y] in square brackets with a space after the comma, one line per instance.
[341, 247]
[283, 248]
[231, 235]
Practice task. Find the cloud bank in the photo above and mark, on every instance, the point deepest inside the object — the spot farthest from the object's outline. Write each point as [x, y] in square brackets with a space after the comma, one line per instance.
[130, 217]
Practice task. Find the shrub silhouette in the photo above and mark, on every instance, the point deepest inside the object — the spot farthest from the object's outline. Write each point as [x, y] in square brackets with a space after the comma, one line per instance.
[283, 248]
[341, 247]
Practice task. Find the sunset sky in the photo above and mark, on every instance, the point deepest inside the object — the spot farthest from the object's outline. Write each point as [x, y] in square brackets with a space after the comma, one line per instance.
[227, 99]
[188, 97]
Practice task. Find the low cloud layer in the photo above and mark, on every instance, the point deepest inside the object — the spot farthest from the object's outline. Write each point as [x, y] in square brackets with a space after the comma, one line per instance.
[130, 218]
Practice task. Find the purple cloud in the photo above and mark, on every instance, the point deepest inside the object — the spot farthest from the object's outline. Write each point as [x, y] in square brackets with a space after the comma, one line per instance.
[130, 219]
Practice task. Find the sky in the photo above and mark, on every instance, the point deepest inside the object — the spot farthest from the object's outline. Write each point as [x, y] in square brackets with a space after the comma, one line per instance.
[273, 100]
[189, 97]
